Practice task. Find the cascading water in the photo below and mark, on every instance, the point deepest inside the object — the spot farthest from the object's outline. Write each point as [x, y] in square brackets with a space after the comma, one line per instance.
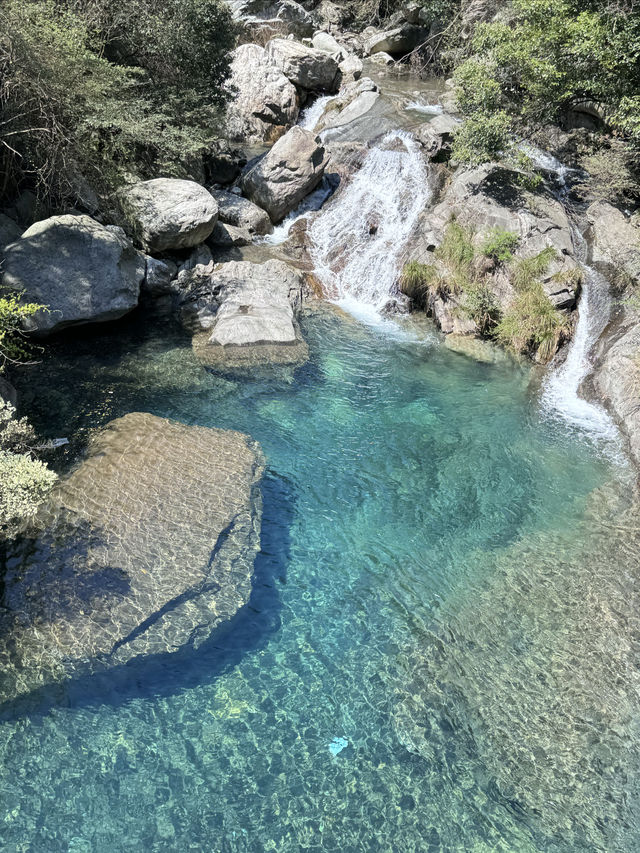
[561, 391]
[310, 116]
[356, 244]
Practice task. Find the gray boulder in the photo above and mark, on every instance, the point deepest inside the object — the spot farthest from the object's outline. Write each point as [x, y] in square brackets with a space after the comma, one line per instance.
[397, 41]
[228, 237]
[350, 69]
[287, 173]
[245, 314]
[265, 102]
[158, 277]
[168, 213]
[241, 213]
[83, 271]
[327, 44]
[159, 571]
[308, 68]
[615, 246]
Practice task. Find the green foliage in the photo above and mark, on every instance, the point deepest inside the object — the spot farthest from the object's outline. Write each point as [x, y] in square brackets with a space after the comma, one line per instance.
[531, 323]
[24, 484]
[103, 88]
[527, 271]
[499, 244]
[456, 251]
[417, 278]
[482, 137]
[24, 481]
[13, 314]
[543, 57]
[480, 304]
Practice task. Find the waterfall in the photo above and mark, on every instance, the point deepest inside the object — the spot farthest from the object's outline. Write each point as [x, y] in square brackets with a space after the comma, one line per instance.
[560, 394]
[311, 115]
[358, 241]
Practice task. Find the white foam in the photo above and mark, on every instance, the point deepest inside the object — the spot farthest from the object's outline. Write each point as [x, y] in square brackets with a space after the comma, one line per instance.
[311, 115]
[357, 243]
[429, 109]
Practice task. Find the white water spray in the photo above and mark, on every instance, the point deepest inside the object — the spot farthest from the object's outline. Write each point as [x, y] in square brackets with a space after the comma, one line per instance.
[310, 116]
[560, 394]
[357, 243]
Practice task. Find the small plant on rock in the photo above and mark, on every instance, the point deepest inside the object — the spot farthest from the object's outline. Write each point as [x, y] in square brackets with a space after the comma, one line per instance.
[499, 245]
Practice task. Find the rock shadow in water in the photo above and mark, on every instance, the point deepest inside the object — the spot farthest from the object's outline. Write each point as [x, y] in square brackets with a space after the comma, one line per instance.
[166, 674]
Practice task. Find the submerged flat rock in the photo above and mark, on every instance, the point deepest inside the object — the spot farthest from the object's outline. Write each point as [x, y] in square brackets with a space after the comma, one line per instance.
[148, 545]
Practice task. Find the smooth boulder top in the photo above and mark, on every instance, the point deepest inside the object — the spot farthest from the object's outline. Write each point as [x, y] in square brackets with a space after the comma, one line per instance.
[168, 213]
[265, 102]
[241, 213]
[81, 270]
[146, 547]
[287, 173]
[254, 315]
[306, 67]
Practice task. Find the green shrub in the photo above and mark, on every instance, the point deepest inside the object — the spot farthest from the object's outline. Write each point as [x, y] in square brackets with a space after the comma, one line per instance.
[13, 345]
[483, 137]
[25, 482]
[477, 89]
[107, 88]
[532, 324]
[499, 244]
[526, 271]
[480, 305]
[456, 250]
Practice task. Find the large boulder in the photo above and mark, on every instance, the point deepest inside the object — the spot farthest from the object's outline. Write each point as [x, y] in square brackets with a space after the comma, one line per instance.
[396, 42]
[286, 174]
[327, 44]
[245, 313]
[308, 68]
[146, 548]
[81, 270]
[265, 102]
[615, 247]
[241, 213]
[168, 213]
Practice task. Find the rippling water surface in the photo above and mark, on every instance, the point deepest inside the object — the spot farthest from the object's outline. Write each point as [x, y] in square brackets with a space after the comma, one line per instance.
[439, 650]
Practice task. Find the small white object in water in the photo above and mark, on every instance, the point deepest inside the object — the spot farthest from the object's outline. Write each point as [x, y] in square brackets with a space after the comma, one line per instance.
[337, 745]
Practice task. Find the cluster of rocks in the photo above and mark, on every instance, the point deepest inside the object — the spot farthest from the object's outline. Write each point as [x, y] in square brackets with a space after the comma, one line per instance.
[88, 272]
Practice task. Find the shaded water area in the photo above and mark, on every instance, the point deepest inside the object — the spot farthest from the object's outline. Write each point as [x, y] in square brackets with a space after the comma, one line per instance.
[438, 650]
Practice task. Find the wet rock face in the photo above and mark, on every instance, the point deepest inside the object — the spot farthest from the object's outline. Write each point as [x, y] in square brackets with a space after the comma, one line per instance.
[265, 102]
[167, 213]
[286, 174]
[83, 271]
[147, 546]
[616, 379]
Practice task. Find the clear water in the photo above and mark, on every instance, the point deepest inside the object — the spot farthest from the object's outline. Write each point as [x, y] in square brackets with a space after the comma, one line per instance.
[419, 618]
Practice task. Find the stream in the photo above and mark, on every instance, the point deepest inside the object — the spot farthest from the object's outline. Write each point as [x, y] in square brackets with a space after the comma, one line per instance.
[444, 606]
